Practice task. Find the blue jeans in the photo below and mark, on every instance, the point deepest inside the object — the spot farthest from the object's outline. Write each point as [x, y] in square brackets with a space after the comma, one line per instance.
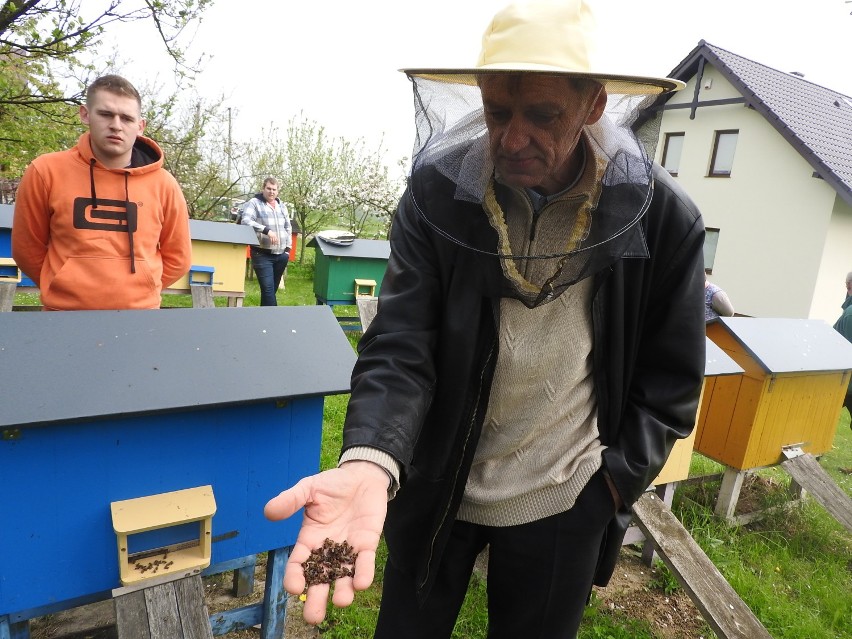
[269, 269]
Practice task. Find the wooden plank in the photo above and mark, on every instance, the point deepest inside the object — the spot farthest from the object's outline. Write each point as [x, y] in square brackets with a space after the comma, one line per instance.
[163, 614]
[192, 609]
[17, 630]
[806, 471]
[173, 610]
[729, 493]
[202, 296]
[236, 619]
[244, 581]
[366, 309]
[718, 602]
[7, 296]
[131, 616]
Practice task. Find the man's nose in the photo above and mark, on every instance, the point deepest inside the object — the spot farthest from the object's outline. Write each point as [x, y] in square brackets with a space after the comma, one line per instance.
[515, 136]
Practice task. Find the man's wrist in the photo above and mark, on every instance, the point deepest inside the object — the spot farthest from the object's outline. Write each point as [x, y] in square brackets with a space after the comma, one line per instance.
[378, 458]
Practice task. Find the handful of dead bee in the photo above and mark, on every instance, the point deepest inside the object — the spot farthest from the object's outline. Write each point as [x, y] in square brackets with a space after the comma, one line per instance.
[329, 562]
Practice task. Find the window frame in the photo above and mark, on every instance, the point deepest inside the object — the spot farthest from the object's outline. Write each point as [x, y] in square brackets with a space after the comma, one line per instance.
[714, 172]
[709, 233]
[669, 136]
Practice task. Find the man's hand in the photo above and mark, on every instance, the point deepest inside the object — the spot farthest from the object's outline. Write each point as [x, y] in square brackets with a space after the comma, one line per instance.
[343, 504]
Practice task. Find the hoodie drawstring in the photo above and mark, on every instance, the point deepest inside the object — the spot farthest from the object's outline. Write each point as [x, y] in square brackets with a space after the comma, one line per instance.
[92, 182]
[130, 225]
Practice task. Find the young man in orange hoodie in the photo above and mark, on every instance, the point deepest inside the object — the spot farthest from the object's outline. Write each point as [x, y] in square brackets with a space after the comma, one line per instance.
[102, 225]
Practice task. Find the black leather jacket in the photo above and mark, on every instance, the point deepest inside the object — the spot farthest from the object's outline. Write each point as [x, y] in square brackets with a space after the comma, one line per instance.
[421, 383]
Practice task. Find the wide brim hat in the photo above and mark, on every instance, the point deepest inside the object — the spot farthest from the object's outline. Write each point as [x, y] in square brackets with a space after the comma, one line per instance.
[553, 38]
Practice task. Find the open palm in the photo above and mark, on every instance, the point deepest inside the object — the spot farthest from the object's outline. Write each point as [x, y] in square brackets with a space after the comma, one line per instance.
[343, 504]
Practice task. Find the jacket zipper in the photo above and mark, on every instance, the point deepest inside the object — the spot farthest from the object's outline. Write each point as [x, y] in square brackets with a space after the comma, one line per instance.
[598, 362]
[471, 422]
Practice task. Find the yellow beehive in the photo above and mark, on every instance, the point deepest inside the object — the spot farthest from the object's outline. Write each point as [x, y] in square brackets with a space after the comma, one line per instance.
[796, 373]
[716, 364]
[223, 246]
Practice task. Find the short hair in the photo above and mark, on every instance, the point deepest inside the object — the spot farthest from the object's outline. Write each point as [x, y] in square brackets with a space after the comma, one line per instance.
[849, 277]
[113, 84]
[270, 180]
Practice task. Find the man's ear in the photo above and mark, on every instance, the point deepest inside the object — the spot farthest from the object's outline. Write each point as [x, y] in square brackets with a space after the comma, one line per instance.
[598, 107]
[84, 114]
[141, 126]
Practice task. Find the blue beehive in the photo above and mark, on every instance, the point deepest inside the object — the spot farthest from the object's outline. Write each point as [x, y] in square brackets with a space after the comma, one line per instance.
[138, 403]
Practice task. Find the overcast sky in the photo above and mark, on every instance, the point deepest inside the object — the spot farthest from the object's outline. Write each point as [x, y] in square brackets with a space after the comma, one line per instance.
[336, 61]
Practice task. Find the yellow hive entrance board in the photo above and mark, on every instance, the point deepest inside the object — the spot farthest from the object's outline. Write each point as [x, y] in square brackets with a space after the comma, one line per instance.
[134, 516]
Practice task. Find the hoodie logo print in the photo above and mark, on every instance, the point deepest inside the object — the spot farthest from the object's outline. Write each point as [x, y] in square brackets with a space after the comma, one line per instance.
[109, 215]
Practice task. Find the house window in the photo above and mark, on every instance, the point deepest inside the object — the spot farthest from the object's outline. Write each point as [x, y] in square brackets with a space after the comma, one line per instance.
[711, 241]
[723, 153]
[672, 152]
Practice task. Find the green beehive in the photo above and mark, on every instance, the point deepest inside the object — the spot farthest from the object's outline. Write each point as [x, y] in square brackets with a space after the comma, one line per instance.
[337, 267]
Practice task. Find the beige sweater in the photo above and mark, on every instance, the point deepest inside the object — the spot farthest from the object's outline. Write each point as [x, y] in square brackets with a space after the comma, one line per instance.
[539, 443]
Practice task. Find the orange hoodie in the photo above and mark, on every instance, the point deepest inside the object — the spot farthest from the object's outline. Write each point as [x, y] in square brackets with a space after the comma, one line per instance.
[97, 238]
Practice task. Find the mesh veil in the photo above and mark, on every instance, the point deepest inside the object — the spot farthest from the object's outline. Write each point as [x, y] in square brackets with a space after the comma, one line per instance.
[452, 139]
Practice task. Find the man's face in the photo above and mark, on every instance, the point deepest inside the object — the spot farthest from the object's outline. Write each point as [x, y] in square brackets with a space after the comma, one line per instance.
[534, 123]
[270, 191]
[114, 123]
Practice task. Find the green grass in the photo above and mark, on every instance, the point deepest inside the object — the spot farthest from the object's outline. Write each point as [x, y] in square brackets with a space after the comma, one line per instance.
[794, 568]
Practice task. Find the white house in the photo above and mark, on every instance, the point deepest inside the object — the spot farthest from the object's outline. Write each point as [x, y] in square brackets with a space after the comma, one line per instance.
[767, 156]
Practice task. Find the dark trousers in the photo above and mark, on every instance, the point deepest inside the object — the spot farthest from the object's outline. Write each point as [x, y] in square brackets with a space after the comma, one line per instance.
[539, 576]
[269, 269]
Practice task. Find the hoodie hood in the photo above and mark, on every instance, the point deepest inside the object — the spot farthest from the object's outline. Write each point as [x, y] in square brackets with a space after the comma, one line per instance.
[146, 157]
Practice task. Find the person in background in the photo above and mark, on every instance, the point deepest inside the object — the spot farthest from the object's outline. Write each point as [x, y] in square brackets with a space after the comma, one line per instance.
[102, 225]
[843, 325]
[537, 351]
[268, 216]
[716, 302]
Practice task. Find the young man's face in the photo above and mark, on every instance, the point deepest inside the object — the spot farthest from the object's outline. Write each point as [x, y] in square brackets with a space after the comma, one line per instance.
[114, 124]
[270, 192]
[534, 123]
